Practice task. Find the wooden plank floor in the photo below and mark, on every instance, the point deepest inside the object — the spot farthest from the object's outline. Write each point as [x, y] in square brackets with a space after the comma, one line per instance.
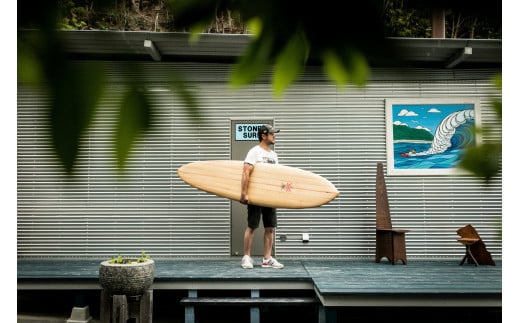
[337, 282]
[419, 283]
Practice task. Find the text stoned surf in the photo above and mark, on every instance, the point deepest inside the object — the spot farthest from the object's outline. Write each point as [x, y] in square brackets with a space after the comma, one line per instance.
[248, 131]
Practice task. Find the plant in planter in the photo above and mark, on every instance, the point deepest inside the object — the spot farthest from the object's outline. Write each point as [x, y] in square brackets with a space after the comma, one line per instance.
[126, 275]
[123, 260]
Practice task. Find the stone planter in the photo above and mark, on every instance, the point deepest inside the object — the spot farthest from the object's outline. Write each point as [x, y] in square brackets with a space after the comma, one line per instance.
[126, 279]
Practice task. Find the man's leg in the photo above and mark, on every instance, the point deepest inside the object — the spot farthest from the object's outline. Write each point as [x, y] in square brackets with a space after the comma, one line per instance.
[268, 242]
[248, 240]
[270, 223]
[247, 261]
[253, 220]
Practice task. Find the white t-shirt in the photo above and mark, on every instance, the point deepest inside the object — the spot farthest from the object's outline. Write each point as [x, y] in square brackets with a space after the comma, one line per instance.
[258, 155]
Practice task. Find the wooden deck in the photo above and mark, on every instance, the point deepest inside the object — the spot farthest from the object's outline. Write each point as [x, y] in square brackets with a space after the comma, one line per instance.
[337, 283]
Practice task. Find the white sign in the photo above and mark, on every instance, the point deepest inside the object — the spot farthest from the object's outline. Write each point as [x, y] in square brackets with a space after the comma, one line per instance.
[247, 131]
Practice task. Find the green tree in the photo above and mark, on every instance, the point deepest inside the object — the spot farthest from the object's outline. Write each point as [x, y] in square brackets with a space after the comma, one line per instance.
[403, 21]
[464, 19]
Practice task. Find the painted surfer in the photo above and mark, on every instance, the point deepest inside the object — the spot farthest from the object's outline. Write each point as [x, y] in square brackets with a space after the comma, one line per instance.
[260, 153]
[411, 153]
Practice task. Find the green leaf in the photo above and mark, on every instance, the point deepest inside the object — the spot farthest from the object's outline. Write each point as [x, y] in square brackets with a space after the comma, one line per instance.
[497, 81]
[347, 65]
[134, 118]
[290, 63]
[497, 103]
[189, 97]
[334, 68]
[255, 26]
[196, 32]
[497, 107]
[253, 63]
[28, 67]
[356, 63]
[483, 160]
[75, 91]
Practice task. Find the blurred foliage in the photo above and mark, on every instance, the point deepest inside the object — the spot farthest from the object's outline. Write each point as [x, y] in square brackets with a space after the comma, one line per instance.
[75, 90]
[343, 38]
[485, 159]
[288, 36]
[134, 119]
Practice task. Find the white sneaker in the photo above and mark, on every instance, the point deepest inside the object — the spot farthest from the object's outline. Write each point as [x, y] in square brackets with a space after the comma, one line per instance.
[271, 262]
[247, 262]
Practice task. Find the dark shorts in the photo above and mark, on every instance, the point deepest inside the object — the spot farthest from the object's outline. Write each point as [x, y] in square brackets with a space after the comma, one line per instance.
[268, 216]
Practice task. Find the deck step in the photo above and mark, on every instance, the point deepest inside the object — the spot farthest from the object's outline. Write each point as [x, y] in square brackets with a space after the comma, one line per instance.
[254, 303]
[247, 301]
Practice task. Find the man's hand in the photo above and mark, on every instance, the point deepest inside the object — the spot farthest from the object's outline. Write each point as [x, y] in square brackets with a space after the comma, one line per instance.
[244, 199]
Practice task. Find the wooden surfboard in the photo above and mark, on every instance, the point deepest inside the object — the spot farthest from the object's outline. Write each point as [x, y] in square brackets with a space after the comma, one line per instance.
[277, 186]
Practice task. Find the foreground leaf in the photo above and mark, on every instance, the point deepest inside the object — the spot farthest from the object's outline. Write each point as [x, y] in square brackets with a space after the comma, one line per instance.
[75, 92]
[483, 160]
[134, 118]
[290, 63]
[253, 63]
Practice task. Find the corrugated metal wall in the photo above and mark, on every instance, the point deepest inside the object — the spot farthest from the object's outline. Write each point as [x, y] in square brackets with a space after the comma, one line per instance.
[339, 134]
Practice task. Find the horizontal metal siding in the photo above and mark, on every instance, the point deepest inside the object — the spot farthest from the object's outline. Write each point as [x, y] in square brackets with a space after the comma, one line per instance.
[339, 134]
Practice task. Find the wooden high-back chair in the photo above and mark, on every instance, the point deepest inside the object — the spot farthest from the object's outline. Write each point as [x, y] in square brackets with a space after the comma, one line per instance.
[390, 242]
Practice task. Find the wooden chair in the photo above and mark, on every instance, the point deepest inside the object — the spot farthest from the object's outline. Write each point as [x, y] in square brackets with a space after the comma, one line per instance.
[390, 242]
[476, 252]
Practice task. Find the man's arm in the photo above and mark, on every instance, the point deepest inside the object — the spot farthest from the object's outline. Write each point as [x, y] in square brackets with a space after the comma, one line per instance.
[246, 172]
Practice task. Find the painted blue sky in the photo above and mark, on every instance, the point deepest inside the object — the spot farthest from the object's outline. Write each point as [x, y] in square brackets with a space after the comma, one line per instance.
[424, 116]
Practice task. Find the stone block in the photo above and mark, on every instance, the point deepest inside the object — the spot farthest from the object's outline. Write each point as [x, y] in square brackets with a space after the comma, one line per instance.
[80, 315]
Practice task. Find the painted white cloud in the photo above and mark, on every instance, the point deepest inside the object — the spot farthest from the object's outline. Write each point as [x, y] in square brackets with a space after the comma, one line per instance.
[434, 110]
[406, 113]
[423, 128]
[399, 123]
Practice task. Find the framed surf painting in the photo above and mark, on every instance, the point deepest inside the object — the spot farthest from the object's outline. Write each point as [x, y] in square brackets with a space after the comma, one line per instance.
[429, 136]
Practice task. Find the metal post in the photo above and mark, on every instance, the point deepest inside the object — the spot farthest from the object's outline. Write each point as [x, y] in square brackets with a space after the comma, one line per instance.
[189, 310]
[255, 310]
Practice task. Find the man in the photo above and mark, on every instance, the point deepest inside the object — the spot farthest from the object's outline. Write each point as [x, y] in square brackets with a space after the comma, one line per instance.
[260, 153]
